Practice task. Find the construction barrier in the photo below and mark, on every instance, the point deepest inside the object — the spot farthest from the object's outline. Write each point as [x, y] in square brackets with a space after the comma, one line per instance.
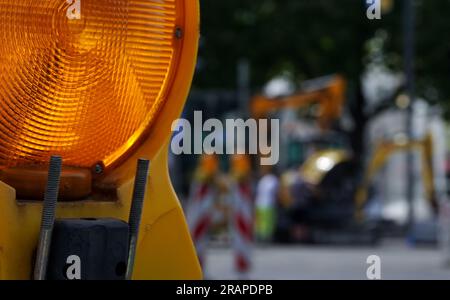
[241, 225]
[241, 219]
[199, 215]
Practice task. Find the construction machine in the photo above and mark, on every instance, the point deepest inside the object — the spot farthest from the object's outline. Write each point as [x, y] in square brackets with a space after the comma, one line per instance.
[329, 195]
[317, 180]
[383, 152]
[327, 92]
[323, 195]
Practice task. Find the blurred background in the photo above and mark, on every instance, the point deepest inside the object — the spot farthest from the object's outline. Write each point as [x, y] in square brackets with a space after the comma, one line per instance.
[364, 112]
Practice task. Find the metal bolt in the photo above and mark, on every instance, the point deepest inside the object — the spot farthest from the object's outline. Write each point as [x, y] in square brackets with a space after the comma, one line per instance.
[134, 221]
[48, 217]
[98, 169]
[179, 33]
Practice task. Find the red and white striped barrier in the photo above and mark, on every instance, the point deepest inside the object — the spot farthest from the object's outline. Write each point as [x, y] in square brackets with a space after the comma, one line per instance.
[242, 221]
[199, 216]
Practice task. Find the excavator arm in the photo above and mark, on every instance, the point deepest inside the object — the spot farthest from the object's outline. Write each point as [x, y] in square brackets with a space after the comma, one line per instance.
[327, 92]
[382, 154]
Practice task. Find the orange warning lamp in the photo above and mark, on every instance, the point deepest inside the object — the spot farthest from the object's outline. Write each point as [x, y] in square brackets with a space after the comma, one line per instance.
[208, 167]
[68, 86]
[97, 83]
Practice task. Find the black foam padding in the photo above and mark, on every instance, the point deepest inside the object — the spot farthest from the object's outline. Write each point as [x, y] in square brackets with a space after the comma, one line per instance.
[101, 245]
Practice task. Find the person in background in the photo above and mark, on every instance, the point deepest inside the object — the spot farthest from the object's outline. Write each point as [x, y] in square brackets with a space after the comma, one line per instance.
[266, 201]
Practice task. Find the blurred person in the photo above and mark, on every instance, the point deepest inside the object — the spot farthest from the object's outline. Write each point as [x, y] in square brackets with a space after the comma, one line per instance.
[295, 201]
[266, 200]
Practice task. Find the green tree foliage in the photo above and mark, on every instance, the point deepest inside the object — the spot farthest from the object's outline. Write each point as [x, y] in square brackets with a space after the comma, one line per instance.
[433, 51]
[310, 38]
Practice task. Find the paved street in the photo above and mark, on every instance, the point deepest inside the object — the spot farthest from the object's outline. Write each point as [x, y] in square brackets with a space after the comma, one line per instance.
[398, 261]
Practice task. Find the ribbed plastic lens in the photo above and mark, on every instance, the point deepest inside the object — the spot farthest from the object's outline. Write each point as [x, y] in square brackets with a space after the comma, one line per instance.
[85, 86]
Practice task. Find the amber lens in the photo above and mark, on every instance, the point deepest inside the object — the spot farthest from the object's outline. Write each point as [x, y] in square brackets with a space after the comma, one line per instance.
[84, 86]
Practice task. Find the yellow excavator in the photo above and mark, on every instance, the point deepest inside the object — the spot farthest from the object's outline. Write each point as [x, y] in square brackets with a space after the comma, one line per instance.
[329, 178]
[88, 95]
[386, 150]
[326, 95]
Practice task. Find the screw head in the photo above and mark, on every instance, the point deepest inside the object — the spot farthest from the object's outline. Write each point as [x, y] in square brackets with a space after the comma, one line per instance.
[98, 168]
[178, 33]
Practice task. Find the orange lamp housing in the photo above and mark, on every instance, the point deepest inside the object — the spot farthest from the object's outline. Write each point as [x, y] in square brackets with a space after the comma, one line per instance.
[88, 89]
[99, 83]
